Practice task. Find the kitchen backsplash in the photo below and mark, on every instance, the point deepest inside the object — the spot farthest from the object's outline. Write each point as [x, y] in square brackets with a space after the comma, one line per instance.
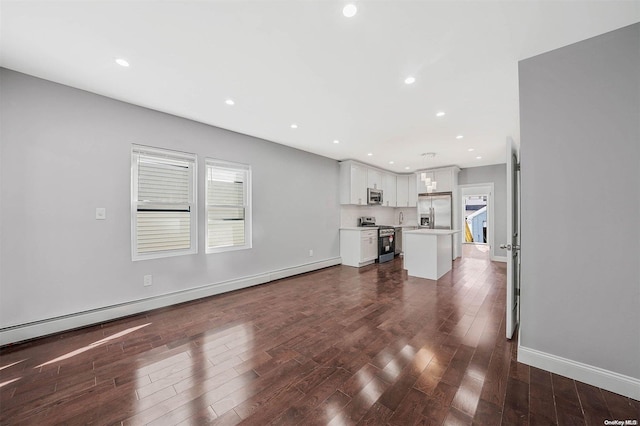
[384, 215]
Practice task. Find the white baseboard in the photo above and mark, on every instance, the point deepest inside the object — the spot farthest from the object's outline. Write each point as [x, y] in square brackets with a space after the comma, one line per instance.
[45, 327]
[595, 376]
[499, 258]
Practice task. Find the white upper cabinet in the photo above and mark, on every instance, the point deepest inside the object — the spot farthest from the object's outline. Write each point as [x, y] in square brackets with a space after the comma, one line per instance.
[406, 192]
[402, 191]
[374, 179]
[389, 190]
[353, 183]
[445, 179]
[398, 190]
[413, 191]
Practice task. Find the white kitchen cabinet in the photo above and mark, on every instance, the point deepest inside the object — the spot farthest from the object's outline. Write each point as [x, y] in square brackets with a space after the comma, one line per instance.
[413, 191]
[353, 183]
[368, 246]
[407, 191]
[358, 246]
[389, 190]
[402, 190]
[374, 179]
[445, 179]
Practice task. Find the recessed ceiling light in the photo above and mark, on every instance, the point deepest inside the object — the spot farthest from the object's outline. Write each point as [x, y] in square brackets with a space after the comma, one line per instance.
[409, 80]
[370, 154]
[440, 114]
[336, 141]
[122, 62]
[478, 158]
[350, 10]
[390, 162]
[470, 149]
[229, 102]
[294, 126]
[459, 137]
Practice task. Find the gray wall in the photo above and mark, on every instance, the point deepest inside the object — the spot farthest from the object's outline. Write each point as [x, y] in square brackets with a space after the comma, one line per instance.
[497, 174]
[65, 152]
[580, 140]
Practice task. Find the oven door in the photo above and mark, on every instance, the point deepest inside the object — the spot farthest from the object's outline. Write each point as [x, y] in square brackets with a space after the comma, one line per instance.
[386, 248]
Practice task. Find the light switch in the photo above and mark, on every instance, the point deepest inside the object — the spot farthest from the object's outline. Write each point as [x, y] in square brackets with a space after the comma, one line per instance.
[101, 213]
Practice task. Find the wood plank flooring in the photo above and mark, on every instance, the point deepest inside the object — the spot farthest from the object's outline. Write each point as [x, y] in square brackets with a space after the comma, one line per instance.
[340, 346]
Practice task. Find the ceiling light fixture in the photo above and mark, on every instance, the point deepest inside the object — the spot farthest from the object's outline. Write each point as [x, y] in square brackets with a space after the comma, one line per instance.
[409, 80]
[440, 114]
[336, 141]
[294, 126]
[390, 162]
[478, 158]
[471, 150]
[122, 62]
[350, 10]
[407, 168]
[370, 154]
[229, 102]
[459, 137]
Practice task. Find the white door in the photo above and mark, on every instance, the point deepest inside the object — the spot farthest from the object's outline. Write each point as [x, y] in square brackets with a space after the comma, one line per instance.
[513, 238]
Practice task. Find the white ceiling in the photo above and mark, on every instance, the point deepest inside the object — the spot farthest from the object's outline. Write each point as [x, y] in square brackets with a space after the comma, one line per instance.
[303, 62]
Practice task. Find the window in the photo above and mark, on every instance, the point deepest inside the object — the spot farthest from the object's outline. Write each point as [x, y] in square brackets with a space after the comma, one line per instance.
[228, 206]
[163, 206]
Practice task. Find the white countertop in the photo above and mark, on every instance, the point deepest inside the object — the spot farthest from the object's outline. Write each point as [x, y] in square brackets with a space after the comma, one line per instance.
[364, 228]
[358, 228]
[432, 231]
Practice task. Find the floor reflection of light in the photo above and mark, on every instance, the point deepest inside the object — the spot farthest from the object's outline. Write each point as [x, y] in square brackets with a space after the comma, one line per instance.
[475, 373]
[93, 345]
[12, 364]
[422, 359]
[205, 364]
[338, 420]
[392, 369]
[372, 391]
[9, 381]
[363, 377]
[407, 352]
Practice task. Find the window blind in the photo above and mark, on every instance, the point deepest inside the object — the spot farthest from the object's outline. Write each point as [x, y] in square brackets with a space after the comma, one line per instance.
[228, 210]
[163, 201]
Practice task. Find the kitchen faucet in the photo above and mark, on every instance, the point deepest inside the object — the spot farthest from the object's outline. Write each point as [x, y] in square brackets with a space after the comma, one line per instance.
[400, 218]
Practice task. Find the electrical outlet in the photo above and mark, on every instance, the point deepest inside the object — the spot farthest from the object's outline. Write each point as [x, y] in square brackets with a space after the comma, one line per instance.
[148, 280]
[310, 253]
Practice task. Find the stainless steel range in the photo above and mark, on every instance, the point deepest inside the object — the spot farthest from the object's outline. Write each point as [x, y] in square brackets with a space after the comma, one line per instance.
[386, 238]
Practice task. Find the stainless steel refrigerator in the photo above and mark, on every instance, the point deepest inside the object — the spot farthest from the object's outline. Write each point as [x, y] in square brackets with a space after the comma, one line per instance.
[435, 210]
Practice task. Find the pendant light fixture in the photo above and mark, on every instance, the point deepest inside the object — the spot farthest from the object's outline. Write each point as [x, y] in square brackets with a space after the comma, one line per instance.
[430, 184]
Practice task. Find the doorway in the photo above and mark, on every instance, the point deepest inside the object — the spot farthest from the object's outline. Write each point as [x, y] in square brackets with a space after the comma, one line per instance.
[476, 204]
[475, 219]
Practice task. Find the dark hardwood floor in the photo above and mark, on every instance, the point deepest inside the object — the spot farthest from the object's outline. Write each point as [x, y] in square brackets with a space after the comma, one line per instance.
[339, 346]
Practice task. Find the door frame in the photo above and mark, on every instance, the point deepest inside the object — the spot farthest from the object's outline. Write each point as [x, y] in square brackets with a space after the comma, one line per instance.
[481, 189]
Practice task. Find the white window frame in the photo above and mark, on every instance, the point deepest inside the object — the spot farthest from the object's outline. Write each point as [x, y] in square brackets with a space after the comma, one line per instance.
[211, 162]
[159, 154]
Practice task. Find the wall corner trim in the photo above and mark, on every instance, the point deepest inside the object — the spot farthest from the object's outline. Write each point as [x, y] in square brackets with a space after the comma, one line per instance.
[595, 376]
[19, 333]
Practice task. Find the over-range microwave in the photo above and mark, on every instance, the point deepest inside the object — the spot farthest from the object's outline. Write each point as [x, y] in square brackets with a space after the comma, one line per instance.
[374, 196]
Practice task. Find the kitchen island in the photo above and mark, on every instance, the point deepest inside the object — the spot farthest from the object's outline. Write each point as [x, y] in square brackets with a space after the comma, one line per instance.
[428, 253]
